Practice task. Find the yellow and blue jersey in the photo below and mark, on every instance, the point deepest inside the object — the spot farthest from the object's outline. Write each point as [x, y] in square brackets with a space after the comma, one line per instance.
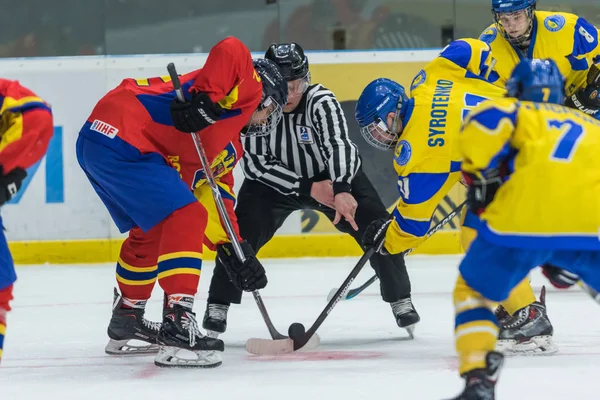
[550, 199]
[426, 157]
[569, 40]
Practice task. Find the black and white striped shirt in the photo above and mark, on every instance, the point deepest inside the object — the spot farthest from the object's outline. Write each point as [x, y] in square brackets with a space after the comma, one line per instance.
[310, 142]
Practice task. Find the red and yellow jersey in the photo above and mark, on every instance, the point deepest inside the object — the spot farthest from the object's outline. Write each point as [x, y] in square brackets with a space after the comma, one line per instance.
[568, 39]
[138, 110]
[25, 126]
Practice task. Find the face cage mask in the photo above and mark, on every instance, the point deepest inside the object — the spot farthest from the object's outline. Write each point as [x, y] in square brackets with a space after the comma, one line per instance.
[519, 40]
[377, 133]
[299, 88]
[265, 118]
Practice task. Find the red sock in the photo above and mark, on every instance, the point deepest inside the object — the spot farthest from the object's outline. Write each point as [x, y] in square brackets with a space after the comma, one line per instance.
[180, 251]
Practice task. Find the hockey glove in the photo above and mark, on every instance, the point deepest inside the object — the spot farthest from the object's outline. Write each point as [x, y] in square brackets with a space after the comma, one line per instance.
[249, 275]
[374, 235]
[195, 115]
[558, 277]
[587, 99]
[10, 183]
[482, 189]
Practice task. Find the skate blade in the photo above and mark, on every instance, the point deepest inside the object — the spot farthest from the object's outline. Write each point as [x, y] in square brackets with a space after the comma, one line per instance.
[270, 347]
[125, 348]
[536, 346]
[411, 331]
[174, 357]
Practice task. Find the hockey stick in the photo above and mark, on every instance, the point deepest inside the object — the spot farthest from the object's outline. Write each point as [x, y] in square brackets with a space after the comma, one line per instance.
[355, 292]
[221, 206]
[589, 291]
[300, 338]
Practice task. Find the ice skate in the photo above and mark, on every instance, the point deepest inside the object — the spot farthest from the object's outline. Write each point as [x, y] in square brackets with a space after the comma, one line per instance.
[129, 332]
[181, 344]
[406, 315]
[481, 383]
[215, 319]
[528, 332]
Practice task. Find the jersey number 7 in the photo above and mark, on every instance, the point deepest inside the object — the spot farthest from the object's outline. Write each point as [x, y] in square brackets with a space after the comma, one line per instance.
[571, 135]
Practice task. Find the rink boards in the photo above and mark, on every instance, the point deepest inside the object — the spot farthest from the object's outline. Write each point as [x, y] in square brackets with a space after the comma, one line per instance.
[58, 218]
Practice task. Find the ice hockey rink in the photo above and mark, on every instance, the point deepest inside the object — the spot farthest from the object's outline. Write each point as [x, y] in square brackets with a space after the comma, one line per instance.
[57, 332]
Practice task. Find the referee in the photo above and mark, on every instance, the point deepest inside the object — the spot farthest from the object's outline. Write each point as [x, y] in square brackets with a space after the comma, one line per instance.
[308, 162]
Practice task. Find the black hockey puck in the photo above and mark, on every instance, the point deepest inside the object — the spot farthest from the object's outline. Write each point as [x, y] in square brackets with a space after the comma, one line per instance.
[296, 330]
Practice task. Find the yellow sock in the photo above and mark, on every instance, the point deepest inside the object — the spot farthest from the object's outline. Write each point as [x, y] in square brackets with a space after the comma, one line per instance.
[521, 296]
[475, 329]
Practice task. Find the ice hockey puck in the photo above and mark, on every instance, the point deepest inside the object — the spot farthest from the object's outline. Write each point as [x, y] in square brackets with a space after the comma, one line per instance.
[296, 330]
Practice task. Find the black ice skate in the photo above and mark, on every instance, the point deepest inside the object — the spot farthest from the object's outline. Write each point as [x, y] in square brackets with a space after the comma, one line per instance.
[215, 319]
[181, 344]
[406, 315]
[481, 383]
[129, 332]
[528, 332]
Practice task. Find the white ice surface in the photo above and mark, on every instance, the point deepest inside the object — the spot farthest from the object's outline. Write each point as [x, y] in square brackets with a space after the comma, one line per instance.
[56, 335]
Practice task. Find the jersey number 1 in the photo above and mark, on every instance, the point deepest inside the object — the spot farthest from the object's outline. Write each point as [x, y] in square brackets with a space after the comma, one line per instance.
[571, 134]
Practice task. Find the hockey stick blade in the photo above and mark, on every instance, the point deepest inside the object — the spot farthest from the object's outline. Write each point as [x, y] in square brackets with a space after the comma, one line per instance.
[309, 340]
[352, 293]
[268, 347]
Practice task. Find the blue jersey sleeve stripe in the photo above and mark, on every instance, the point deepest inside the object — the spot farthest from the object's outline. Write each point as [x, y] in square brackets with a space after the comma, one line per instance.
[577, 64]
[490, 117]
[505, 154]
[459, 52]
[412, 227]
[585, 39]
[455, 166]
[30, 106]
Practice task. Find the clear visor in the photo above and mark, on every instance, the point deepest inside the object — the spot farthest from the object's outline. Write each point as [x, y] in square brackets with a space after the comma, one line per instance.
[379, 136]
[516, 26]
[297, 87]
[265, 118]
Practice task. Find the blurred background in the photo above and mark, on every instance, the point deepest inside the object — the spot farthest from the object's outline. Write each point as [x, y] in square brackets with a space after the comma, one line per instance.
[42, 28]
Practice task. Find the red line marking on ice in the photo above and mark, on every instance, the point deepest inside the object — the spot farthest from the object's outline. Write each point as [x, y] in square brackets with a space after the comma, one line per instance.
[147, 372]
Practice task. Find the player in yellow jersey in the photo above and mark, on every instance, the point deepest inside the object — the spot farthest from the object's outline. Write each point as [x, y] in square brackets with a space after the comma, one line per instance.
[533, 176]
[521, 32]
[424, 130]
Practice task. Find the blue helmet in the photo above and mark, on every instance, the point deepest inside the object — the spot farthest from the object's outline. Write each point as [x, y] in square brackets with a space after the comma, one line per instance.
[537, 80]
[512, 6]
[381, 97]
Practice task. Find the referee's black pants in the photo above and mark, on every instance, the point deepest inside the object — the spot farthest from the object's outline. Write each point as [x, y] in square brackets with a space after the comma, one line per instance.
[261, 210]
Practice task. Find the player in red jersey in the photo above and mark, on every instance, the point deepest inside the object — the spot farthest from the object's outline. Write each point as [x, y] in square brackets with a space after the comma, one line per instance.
[25, 131]
[138, 155]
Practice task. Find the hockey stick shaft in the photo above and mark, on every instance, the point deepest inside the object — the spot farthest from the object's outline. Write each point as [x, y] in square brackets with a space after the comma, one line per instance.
[341, 292]
[212, 183]
[299, 343]
[589, 291]
[356, 291]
